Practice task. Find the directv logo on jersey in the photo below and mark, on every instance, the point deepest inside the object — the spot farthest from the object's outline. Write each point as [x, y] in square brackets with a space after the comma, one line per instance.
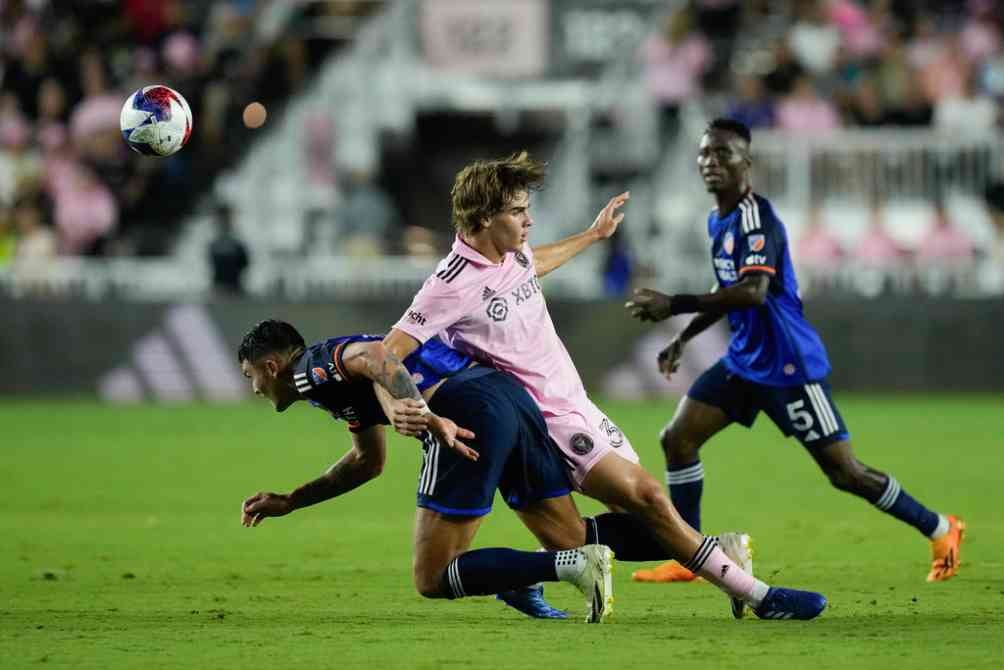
[755, 259]
[416, 317]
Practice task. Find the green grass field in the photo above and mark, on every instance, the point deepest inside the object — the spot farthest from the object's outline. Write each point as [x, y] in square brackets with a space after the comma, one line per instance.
[121, 547]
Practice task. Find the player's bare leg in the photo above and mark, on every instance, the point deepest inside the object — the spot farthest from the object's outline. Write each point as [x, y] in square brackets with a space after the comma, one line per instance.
[439, 538]
[692, 426]
[847, 473]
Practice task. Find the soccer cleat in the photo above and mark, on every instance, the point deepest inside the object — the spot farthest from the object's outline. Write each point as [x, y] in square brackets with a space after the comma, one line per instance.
[670, 571]
[945, 551]
[595, 582]
[530, 601]
[781, 603]
[738, 547]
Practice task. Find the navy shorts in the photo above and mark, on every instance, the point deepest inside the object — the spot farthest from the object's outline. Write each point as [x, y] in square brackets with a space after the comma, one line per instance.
[807, 412]
[516, 456]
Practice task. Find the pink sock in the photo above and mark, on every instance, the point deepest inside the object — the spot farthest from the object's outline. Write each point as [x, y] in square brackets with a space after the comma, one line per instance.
[711, 563]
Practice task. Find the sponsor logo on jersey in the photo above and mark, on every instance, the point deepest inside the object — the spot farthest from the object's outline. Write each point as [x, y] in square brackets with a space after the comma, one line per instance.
[756, 242]
[726, 269]
[498, 309]
[522, 259]
[319, 375]
[333, 371]
[581, 444]
[729, 243]
[526, 290]
[755, 259]
[416, 317]
[487, 293]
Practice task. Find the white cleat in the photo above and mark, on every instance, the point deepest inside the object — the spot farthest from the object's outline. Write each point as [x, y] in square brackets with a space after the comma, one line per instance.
[595, 581]
[738, 547]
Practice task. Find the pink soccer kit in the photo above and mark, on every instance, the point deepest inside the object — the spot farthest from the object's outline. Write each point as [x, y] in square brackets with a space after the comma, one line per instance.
[496, 313]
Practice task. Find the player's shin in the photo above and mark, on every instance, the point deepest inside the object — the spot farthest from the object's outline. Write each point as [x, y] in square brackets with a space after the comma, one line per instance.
[711, 563]
[488, 571]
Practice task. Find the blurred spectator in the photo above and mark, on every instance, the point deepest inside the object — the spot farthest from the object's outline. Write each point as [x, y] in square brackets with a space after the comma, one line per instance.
[944, 73]
[752, 106]
[860, 28]
[419, 242]
[20, 164]
[85, 214]
[814, 41]
[817, 248]
[784, 70]
[365, 217]
[944, 242]
[804, 111]
[617, 267]
[866, 105]
[674, 60]
[969, 113]
[228, 255]
[36, 242]
[995, 205]
[876, 248]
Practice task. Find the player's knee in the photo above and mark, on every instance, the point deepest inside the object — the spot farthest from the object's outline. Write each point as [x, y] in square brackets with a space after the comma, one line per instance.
[677, 445]
[846, 477]
[429, 583]
[647, 494]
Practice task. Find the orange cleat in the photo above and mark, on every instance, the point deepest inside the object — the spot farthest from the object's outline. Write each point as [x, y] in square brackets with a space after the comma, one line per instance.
[945, 551]
[670, 571]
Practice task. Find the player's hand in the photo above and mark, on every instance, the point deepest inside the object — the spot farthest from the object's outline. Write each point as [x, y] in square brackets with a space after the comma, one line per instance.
[255, 509]
[608, 219]
[409, 416]
[447, 433]
[649, 305]
[669, 358]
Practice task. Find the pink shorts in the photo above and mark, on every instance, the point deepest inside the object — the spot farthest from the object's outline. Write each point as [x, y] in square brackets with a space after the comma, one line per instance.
[585, 436]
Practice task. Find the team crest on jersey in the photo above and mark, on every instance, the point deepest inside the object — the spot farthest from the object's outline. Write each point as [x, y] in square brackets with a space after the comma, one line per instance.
[522, 259]
[498, 309]
[581, 444]
[729, 243]
[789, 369]
[319, 375]
[756, 242]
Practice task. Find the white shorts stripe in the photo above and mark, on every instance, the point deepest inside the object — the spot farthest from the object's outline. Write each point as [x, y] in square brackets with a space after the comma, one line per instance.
[824, 420]
[824, 404]
[434, 470]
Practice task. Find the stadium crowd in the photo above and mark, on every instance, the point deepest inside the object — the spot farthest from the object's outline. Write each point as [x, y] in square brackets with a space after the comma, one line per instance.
[68, 183]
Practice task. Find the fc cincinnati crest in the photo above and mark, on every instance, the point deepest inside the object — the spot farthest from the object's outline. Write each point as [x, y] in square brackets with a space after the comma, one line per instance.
[756, 242]
[581, 444]
[522, 259]
[319, 375]
[729, 243]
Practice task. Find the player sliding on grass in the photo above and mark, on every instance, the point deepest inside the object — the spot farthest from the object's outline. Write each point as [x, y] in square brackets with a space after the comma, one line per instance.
[456, 486]
[484, 299]
[776, 362]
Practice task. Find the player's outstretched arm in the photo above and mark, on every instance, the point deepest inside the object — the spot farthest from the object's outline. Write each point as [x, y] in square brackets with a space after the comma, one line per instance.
[649, 305]
[360, 464]
[548, 257]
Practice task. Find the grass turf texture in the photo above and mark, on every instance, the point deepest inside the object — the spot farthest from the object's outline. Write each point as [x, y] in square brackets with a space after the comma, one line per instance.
[122, 548]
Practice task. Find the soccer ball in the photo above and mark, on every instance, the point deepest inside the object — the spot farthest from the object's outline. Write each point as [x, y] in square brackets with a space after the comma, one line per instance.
[156, 121]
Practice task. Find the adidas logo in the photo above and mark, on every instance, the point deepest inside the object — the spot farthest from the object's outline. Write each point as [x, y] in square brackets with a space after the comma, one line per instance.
[487, 293]
[811, 436]
[185, 359]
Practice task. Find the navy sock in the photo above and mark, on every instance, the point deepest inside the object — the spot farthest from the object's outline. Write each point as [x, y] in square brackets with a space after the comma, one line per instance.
[686, 484]
[900, 504]
[627, 535]
[483, 572]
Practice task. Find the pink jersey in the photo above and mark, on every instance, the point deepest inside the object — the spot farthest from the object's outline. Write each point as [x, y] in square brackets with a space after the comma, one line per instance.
[496, 313]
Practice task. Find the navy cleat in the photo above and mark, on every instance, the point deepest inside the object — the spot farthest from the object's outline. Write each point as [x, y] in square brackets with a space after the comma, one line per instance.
[781, 603]
[530, 601]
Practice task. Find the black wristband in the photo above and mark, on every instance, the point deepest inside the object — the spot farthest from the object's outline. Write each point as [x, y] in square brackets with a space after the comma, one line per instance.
[684, 303]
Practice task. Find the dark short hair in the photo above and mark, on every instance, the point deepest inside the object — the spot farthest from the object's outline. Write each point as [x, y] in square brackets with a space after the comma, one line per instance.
[732, 126]
[269, 337]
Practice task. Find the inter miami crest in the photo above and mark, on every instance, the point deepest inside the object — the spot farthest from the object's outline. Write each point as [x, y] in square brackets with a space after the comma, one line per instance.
[522, 259]
[581, 444]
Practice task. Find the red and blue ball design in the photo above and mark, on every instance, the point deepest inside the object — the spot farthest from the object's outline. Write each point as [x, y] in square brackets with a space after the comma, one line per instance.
[156, 121]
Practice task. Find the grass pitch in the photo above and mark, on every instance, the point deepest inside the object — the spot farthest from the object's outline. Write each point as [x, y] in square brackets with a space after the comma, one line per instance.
[121, 547]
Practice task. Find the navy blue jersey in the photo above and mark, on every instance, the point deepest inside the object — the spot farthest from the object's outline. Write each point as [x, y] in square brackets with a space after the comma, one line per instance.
[772, 344]
[321, 378]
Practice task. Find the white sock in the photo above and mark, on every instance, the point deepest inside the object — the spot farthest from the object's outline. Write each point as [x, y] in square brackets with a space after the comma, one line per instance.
[569, 564]
[942, 528]
[759, 593]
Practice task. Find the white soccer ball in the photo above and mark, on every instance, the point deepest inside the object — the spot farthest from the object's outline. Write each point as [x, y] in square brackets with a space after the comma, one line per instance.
[156, 121]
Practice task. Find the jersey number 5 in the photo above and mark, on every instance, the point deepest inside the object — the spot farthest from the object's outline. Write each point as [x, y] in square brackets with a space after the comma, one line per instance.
[800, 419]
